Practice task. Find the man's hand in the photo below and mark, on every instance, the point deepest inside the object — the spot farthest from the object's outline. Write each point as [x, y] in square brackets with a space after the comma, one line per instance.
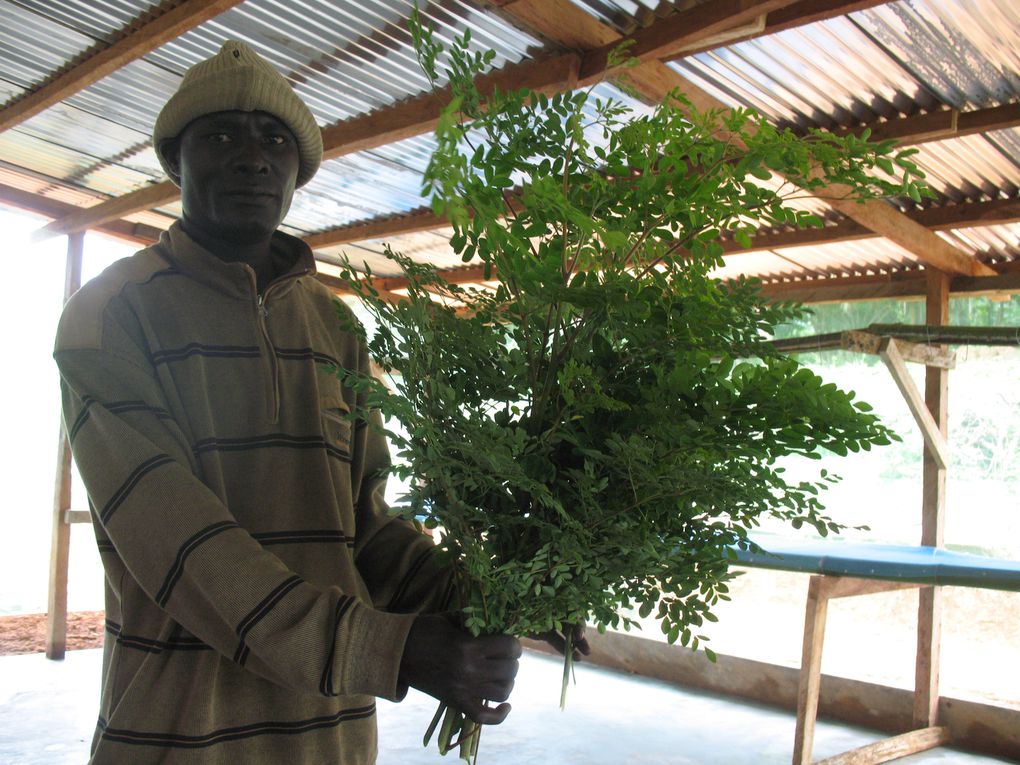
[558, 640]
[462, 671]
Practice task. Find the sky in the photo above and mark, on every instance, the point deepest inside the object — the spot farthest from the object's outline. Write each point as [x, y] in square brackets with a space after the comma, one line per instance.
[30, 393]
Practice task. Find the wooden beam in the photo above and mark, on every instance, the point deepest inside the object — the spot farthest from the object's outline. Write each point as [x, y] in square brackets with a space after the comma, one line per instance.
[892, 748]
[414, 222]
[933, 518]
[468, 275]
[865, 341]
[943, 124]
[967, 214]
[100, 60]
[796, 15]
[991, 213]
[934, 440]
[673, 33]
[924, 244]
[156, 195]
[890, 286]
[60, 540]
[136, 233]
[809, 687]
[420, 115]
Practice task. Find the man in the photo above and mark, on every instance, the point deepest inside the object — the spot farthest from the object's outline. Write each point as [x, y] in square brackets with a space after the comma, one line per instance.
[258, 594]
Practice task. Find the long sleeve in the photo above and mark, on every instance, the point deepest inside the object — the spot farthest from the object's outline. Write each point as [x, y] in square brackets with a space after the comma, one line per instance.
[189, 554]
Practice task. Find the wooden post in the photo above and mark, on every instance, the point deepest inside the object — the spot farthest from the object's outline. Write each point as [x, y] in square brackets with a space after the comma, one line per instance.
[933, 517]
[810, 672]
[60, 545]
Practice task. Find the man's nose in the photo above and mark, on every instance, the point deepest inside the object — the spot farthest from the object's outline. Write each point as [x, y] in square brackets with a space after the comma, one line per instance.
[250, 157]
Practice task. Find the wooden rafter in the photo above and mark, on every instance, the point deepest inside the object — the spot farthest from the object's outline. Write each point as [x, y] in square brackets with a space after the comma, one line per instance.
[794, 15]
[146, 198]
[995, 212]
[893, 286]
[102, 60]
[947, 123]
[139, 233]
[671, 34]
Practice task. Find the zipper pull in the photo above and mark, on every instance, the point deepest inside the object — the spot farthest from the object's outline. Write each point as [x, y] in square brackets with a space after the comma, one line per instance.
[263, 311]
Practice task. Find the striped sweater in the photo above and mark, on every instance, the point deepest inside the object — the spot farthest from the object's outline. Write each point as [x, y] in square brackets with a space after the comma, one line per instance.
[258, 594]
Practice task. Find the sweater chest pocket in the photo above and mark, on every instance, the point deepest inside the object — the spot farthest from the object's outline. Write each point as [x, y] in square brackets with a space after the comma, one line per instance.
[336, 427]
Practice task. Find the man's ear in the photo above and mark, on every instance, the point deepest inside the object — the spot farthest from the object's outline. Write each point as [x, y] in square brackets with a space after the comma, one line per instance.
[170, 150]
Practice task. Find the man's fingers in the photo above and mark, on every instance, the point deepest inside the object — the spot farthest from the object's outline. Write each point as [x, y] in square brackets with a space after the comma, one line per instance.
[484, 715]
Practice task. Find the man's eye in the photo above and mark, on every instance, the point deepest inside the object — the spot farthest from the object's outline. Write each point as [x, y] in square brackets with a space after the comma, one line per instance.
[276, 140]
[218, 138]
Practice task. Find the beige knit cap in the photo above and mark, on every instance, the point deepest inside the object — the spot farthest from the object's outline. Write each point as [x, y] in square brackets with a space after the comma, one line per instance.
[238, 79]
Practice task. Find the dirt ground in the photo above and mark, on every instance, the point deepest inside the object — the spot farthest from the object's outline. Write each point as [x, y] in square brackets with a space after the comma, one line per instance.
[26, 633]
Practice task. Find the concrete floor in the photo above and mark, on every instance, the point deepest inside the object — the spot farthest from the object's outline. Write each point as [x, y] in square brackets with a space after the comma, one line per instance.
[48, 710]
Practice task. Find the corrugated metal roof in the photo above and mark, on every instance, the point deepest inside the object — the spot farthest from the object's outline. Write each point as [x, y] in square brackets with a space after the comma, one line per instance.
[966, 53]
[353, 57]
[101, 20]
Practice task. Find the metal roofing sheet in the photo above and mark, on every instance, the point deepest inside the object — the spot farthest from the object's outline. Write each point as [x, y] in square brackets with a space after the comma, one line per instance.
[131, 96]
[972, 167]
[33, 47]
[965, 51]
[851, 258]
[427, 246]
[99, 19]
[75, 130]
[824, 74]
[344, 59]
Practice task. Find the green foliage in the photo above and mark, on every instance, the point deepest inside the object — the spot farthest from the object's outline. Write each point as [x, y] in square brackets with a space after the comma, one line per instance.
[595, 434]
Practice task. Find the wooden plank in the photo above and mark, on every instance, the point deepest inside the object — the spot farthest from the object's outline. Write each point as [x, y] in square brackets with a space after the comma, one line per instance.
[575, 28]
[420, 115]
[155, 195]
[871, 342]
[97, 64]
[933, 333]
[892, 748]
[944, 124]
[796, 15]
[896, 285]
[884, 219]
[677, 32]
[859, 341]
[810, 680]
[933, 519]
[77, 516]
[847, 586]
[136, 233]
[934, 438]
[468, 275]
[991, 213]
[380, 228]
[60, 541]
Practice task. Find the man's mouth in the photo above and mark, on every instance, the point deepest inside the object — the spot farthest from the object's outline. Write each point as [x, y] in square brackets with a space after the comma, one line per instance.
[252, 193]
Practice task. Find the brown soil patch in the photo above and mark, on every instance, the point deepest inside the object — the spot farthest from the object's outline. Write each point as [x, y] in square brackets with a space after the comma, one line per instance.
[26, 633]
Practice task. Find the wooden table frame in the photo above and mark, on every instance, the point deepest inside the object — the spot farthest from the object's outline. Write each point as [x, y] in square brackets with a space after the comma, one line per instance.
[820, 591]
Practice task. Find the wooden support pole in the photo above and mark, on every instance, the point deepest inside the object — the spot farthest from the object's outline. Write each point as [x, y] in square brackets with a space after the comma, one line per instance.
[933, 517]
[891, 748]
[810, 671]
[60, 543]
[934, 437]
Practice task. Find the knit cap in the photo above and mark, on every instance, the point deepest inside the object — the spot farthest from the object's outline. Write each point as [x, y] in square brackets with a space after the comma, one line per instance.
[238, 79]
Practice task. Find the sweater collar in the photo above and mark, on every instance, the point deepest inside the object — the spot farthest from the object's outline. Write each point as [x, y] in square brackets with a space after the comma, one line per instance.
[292, 257]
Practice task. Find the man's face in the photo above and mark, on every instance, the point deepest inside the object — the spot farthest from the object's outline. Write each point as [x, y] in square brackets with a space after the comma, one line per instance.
[237, 173]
